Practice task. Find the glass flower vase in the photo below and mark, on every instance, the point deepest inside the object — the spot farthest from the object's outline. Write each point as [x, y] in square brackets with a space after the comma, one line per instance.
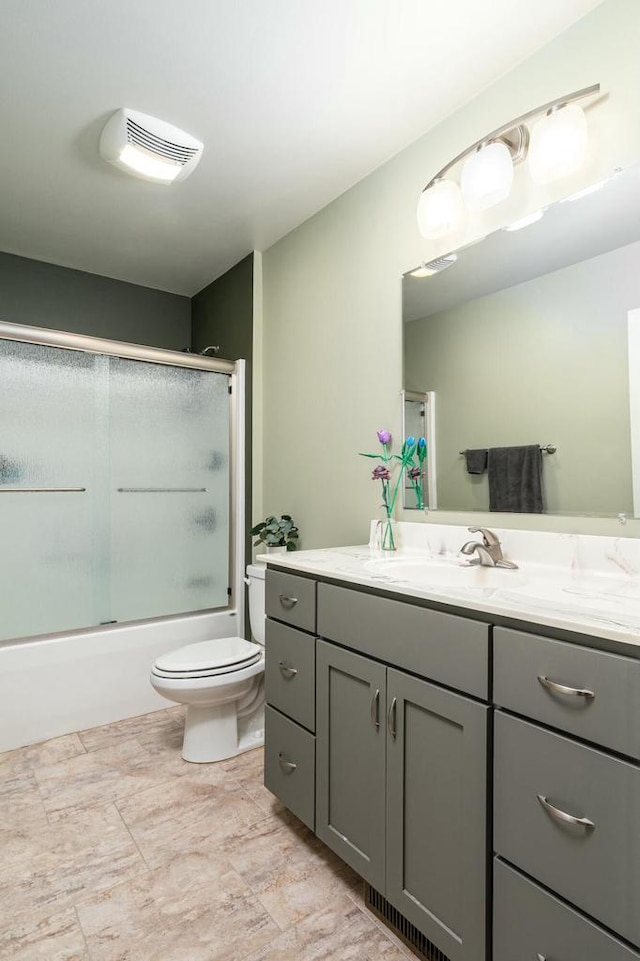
[387, 534]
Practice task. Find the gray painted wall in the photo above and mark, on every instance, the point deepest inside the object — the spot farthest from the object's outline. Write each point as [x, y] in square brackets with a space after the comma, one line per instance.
[222, 314]
[545, 361]
[46, 295]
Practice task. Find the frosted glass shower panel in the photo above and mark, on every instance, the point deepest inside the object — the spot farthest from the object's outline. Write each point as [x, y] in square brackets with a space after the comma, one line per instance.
[48, 414]
[169, 446]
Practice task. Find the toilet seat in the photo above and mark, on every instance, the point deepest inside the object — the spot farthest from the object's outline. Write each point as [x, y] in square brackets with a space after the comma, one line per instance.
[223, 655]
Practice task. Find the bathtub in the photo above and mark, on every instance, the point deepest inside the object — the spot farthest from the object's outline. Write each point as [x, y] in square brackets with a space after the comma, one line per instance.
[57, 684]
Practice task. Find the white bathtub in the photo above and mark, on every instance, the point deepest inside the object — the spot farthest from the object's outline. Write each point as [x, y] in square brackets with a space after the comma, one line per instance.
[63, 683]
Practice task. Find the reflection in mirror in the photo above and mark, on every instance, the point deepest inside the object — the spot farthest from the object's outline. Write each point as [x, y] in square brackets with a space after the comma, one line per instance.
[532, 338]
[418, 420]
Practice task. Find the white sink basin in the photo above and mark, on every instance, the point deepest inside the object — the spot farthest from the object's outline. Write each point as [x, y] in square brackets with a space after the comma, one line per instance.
[429, 573]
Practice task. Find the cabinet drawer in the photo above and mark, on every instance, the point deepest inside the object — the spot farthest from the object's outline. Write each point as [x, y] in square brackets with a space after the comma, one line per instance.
[530, 672]
[290, 765]
[292, 599]
[594, 864]
[440, 647]
[290, 673]
[530, 923]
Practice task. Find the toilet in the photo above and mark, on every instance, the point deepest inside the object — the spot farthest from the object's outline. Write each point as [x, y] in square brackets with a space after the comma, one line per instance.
[221, 682]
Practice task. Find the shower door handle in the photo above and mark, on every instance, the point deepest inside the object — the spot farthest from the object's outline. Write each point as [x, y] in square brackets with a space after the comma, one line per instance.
[162, 490]
[42, 490]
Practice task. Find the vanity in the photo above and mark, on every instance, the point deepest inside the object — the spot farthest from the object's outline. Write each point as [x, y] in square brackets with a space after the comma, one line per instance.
[469, 744]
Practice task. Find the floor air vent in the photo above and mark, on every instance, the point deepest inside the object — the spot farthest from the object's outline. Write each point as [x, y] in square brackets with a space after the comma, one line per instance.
[402, 928]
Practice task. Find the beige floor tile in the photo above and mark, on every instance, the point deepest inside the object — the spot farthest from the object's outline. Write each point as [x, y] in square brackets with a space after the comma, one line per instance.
[58, 938]
[248, 770]
[194, 909]
[48, 869]
[21, 811]
[190, 813]
[339, 932]
[289, 869]
[153, 728]
[16, 774]
[53, 751]
[105, 775]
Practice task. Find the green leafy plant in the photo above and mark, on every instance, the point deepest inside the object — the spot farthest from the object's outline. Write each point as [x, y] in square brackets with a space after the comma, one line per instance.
[276, 532]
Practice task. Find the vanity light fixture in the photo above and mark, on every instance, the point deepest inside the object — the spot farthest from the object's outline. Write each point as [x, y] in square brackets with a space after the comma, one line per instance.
[487, 177]
[149, 148]
[555, 146]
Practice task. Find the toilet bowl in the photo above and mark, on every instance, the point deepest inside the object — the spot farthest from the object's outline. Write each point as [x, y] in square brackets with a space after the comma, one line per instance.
[221, 682]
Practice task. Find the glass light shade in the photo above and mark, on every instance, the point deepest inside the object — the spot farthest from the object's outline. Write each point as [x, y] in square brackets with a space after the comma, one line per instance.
[440, 209]
[558, 144]
[487, 177]
[147, 165]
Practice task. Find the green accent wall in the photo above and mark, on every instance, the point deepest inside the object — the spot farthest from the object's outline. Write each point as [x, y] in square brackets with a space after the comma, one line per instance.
[332, 288]
[46, 295]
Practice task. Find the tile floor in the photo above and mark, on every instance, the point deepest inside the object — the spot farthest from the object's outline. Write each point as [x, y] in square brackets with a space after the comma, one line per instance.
[112, 848]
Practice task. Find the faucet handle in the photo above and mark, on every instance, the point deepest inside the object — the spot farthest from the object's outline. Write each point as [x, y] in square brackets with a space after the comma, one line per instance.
[489, 539]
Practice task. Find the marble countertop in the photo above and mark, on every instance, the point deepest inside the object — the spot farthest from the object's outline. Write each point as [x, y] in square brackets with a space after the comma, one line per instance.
[602, 602]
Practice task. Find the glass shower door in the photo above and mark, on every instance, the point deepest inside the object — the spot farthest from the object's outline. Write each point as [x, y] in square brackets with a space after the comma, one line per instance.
[169, 489]
[49, 415]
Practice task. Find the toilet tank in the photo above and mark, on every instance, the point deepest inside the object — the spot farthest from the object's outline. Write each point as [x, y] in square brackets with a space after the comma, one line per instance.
[255, 580]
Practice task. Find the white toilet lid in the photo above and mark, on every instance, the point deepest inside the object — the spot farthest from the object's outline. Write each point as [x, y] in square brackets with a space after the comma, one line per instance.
[223, 652]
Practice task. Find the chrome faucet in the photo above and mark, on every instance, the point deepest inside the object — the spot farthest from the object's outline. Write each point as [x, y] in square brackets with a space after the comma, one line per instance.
[488, 551]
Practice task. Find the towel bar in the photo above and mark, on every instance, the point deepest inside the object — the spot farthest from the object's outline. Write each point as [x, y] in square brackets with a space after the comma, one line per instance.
[547, 449]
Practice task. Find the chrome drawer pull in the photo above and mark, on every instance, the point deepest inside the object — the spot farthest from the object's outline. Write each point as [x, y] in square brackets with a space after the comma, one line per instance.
[391, 719]
[288, 671]
[563, 817]
[288, 601]
[287, 766]
[556, 688]
[375, 709]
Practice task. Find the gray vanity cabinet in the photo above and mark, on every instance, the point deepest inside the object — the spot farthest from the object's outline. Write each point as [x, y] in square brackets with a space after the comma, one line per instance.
[437, 813]
[401, 793]
[350, 759]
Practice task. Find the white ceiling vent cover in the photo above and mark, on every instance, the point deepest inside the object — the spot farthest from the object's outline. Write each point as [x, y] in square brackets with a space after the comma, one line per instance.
[149, 148]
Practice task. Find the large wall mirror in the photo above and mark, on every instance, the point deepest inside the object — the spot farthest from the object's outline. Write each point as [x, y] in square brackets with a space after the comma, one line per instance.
[532, 337]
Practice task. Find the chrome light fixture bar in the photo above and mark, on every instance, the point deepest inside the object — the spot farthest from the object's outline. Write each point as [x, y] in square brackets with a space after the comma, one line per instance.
[555, 145]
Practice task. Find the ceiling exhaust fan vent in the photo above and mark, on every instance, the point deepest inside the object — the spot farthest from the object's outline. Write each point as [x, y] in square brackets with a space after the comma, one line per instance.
[149, 148]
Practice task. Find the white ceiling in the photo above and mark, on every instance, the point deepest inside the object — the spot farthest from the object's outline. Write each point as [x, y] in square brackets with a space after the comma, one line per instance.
[295, 101]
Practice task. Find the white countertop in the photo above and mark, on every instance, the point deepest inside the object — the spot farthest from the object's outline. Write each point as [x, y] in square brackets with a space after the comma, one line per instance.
[601, 601]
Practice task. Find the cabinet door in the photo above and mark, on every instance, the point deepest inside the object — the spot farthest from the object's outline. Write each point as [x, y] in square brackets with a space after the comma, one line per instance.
[437, 814]
[350, 759]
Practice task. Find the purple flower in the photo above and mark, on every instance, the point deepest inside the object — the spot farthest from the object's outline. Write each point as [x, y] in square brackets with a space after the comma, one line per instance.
[384, 437]
[380, 473]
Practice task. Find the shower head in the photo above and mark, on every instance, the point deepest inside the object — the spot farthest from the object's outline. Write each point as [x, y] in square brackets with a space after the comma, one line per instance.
[208, 351]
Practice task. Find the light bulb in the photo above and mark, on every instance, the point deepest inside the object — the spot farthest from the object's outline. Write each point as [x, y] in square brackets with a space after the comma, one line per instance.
[487, 177]
[440, 209]
[558, 144]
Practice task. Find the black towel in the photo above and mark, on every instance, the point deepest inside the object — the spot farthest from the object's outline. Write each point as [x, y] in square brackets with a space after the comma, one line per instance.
[476, 460]
[515, 479]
